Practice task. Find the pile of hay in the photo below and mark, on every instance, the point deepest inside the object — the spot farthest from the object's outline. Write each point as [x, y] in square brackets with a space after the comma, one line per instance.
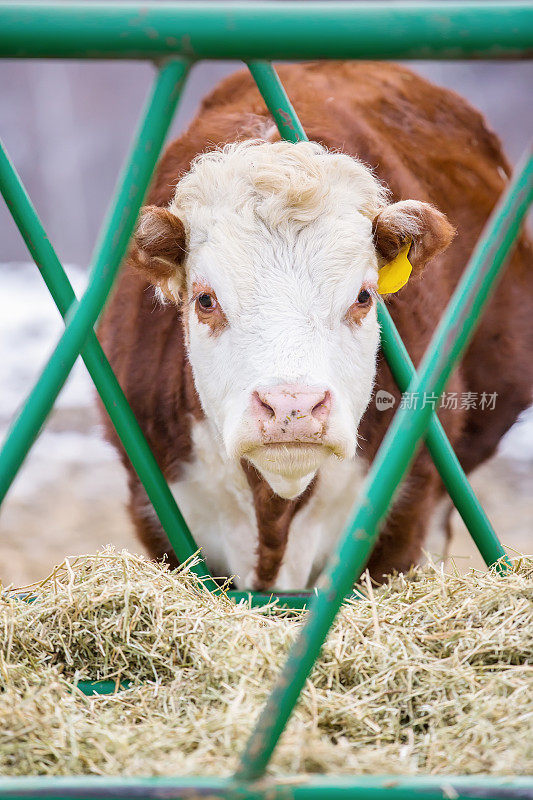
[429, 674]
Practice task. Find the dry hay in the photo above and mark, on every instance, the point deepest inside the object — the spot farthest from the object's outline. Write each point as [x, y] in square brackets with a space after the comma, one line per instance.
[429, 674]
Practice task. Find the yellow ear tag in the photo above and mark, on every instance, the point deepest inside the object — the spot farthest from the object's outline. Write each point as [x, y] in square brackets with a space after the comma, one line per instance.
[396, 273]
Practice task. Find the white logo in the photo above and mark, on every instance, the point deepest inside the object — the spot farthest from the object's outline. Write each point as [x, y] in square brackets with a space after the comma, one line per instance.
[384, 400]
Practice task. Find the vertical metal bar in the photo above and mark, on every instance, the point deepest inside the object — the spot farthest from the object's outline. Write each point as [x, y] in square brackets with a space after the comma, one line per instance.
[109, 253]
[391, 464]
[126, 425]
[440, 449]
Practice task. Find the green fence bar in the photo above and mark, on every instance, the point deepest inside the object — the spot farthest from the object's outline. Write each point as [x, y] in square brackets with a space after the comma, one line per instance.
[294, 601]
[110, 251]
[126, 425]
[267, 30]
[312, 787]
[441, 451]
[91, 688]
[391, 464]
[277, 101]
[452, 474]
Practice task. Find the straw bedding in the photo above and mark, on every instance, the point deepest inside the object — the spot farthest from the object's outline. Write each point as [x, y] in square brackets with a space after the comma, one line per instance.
[431, 673]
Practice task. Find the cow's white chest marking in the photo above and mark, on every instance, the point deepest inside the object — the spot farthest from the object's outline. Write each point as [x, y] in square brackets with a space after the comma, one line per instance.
[216, 501]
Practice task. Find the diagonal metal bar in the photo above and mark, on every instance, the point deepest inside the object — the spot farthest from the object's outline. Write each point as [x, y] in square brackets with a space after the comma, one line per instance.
[277, 101]
[391, 464]
[112, 245]
[443, 455]
[117, 406]
[447, 463]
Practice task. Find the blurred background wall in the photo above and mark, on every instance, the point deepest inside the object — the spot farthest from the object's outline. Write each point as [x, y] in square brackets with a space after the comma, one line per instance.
[67, 126]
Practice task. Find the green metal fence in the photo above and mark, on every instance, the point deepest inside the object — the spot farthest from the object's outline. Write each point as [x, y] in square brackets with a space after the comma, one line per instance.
[174, 35]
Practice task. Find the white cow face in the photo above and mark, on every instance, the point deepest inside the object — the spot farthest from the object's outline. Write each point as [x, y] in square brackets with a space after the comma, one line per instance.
[278, 285]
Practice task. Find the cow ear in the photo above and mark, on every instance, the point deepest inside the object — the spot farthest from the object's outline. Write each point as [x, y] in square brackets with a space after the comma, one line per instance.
[410, 229]
[158, 249]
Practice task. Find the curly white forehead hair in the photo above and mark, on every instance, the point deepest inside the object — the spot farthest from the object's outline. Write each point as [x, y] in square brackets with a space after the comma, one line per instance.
[279, 182]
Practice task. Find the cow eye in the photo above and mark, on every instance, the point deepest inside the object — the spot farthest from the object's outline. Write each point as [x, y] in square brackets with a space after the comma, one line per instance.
[363, 296]
[206, 302]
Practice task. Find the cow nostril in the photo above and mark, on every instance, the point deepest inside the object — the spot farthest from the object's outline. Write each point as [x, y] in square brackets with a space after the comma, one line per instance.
[322, 407]
[270, 411]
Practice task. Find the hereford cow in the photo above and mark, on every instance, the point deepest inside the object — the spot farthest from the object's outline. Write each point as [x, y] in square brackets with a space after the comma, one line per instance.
[243, 326]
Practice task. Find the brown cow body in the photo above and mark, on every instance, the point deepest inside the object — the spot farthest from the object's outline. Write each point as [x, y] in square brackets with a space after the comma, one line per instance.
[422, 142]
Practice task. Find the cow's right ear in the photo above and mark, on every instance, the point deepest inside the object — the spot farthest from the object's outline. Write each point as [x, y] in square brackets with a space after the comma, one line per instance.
[158, 250]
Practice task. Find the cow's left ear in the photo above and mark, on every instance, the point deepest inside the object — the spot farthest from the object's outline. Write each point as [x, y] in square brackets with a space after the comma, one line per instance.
[157, 249]
[410, 229]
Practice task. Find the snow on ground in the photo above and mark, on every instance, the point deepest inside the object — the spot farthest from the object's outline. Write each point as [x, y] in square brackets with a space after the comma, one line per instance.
[30, 326]
[518, 443]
